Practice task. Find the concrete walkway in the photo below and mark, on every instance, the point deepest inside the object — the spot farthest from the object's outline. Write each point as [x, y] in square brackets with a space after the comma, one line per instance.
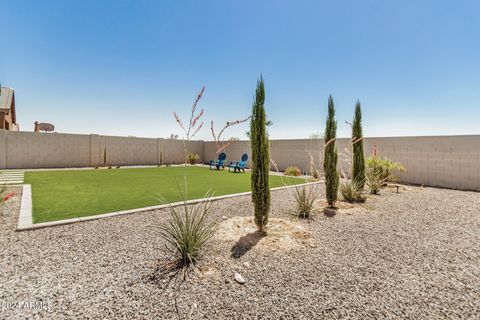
[11, 177]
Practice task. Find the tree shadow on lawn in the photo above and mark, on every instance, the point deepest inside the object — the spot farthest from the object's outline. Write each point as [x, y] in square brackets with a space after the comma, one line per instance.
[246, 243]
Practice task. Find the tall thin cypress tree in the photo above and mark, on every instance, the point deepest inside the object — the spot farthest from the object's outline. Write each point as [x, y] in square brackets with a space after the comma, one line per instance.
[358, 169]
[260, 157]
[331, 156]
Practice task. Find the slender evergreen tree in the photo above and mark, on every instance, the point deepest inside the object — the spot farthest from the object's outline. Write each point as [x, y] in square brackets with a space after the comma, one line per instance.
[331, 156]
[358, 169]
[260, 157]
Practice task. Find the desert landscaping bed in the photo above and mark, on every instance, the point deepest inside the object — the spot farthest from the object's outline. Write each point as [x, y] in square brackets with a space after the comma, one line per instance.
[411, 255]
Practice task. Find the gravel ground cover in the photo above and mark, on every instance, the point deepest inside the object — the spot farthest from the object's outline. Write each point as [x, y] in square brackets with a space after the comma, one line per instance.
[412, 255]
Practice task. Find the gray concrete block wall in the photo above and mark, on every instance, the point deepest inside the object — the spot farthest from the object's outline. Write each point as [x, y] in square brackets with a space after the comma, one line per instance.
[174, 151]
[46, 150]
[128, 151]
[441, 161]
[444, 161]
[30, 150]
[3, 149]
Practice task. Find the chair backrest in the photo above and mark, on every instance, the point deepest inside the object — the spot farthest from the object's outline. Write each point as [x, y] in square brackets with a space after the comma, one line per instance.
[243, 162]
[222, 156]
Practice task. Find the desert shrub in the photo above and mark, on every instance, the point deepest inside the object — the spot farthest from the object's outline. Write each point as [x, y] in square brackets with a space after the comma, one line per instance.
[374, 180]
[305, 199]
[187, 230]
[192, 158]
[351, 190]
[293, 171]
[383, 169]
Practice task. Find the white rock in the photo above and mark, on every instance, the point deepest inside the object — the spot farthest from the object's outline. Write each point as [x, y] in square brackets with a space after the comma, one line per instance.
[238, 277]
[246, 264]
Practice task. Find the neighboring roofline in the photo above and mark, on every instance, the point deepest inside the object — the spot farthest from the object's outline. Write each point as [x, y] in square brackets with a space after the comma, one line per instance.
[11, 107]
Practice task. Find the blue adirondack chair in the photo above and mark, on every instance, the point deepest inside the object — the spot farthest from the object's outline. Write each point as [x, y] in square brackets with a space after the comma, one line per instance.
[220, 163]
[237, 166]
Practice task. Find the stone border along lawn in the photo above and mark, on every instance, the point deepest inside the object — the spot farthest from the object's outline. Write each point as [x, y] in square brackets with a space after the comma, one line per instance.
[28, 219]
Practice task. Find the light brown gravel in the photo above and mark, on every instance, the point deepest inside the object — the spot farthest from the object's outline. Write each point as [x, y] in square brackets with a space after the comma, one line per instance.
[413, 255]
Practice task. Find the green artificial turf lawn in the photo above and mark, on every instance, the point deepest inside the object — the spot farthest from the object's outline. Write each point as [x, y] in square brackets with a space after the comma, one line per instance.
[64, 194]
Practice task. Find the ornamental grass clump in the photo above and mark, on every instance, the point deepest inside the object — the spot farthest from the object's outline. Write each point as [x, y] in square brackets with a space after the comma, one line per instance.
[351, 191]
[305, 199]
[374, 181]
[187, 231]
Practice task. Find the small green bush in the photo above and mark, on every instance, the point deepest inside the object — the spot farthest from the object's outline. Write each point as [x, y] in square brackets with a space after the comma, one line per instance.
[293, 171]
[305, 199]
[383, 168]
[192, 158]
[380, 171]
[351, 191]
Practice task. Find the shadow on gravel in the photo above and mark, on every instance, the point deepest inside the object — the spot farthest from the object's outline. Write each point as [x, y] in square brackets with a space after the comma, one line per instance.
[330, 212]
[245, 243]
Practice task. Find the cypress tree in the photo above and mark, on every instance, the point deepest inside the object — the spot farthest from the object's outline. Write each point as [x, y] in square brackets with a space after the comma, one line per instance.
[358, 169]
[331, 156]
[260, 157]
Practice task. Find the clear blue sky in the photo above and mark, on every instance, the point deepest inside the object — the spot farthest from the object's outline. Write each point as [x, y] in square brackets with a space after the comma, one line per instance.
[122, 67]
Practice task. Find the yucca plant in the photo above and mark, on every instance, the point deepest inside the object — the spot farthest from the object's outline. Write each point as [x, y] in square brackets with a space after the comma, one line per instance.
[305, 199]
[187, 230]
[374, 180]
[351, 190]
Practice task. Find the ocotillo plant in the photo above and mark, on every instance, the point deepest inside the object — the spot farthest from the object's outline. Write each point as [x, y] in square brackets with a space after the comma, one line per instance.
[358, 168]
[331, 156]
[260, 157]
